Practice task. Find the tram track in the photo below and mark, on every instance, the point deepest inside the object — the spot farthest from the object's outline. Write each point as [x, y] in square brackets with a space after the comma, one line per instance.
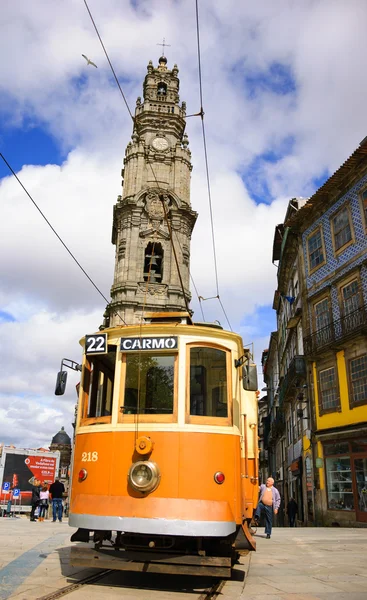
[68, 589]
[211, 593]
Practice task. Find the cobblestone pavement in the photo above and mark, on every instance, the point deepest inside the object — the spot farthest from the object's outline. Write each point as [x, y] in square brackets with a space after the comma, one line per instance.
[34, 562]
[296, 564]
[309, 564]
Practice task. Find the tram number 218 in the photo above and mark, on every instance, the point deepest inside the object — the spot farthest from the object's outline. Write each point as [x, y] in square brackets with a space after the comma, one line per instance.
[90, 456]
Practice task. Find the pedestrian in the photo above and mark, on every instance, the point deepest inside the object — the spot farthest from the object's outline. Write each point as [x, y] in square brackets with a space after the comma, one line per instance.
[292, 510]
[43, 507]
[269, 502]
[35, 500]
[56, 492]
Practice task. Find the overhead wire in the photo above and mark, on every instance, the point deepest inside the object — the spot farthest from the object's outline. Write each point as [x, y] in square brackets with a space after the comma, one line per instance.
[162, 192]
[201, 114]
[109, 62]
[55, 232]
[136, 418]
[193, 283]
[154, 175]
[171, 238]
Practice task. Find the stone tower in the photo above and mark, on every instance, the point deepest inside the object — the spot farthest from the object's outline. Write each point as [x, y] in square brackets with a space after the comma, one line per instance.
[156, 189]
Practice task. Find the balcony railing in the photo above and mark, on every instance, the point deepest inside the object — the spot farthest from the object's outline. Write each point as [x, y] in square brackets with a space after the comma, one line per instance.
[336, 332]
[277, 429]
[297, 369]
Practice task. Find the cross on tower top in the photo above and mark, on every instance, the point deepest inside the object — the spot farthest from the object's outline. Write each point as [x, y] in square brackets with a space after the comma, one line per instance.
[163, 45]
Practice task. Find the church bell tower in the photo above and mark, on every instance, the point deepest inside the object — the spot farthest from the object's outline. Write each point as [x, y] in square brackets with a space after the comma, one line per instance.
[155, 200]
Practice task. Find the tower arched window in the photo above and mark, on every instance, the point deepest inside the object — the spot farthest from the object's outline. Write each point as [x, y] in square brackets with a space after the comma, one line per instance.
[162, 90]
[153, 263]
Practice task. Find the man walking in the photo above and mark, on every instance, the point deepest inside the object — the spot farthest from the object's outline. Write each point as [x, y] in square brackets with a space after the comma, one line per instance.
[269, 503]
[56, 492]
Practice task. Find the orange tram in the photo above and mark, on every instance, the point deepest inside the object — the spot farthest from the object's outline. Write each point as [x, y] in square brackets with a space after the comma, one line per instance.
[165, 462]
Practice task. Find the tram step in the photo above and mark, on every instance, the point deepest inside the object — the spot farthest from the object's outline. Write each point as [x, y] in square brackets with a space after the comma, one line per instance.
[151, 563]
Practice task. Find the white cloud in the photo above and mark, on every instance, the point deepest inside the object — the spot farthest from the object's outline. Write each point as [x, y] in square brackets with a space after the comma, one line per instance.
[46, 81]
[31, 355]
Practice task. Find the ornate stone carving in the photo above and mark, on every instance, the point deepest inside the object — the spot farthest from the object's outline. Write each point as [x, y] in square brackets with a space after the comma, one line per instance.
[160, 125]
[122, 249]
[154, 233]
[185, 254]
[153, 205]
[152, 289]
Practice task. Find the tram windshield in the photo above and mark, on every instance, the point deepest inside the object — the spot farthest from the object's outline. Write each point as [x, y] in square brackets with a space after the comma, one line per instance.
[208, 382]
[149, 384]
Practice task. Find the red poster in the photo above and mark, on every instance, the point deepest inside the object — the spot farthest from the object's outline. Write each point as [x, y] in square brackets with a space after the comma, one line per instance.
[21, 470]
[43, 468]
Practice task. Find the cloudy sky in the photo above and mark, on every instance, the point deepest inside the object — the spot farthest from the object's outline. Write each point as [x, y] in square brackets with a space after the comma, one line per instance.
[284, 102]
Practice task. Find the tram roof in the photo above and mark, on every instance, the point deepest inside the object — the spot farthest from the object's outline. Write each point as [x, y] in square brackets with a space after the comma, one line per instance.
[178, 322]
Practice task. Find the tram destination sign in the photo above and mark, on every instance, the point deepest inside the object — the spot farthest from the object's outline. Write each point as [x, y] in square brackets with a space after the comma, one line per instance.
[148, 343]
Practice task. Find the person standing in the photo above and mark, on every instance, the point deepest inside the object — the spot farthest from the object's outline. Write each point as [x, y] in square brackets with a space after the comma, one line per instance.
[269, 503]
[35, 500]
[56, 492]
[292, 510]
[44, 496]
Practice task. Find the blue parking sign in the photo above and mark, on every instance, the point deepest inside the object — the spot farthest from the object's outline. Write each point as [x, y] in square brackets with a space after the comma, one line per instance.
[6, 486]
[16, 493]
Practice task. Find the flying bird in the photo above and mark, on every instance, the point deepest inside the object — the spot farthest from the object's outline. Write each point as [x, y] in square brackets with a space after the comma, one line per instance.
[89, 62]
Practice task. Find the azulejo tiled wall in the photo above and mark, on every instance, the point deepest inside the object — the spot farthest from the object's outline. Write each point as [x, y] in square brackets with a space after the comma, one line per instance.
[333, 263]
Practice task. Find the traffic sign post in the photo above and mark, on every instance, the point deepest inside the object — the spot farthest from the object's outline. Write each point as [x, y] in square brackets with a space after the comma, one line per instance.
[16, 497]
[5, 491]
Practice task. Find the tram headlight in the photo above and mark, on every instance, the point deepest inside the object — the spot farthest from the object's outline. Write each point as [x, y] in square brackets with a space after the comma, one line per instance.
[144, 476]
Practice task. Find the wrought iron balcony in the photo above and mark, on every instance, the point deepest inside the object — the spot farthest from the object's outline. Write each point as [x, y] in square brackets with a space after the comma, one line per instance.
[297, 369]
[336, 332]
[277, 429]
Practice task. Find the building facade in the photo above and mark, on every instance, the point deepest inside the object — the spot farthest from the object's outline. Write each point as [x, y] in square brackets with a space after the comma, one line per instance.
[61, 442]
[289, 445]
[331, 229]
[153, 219]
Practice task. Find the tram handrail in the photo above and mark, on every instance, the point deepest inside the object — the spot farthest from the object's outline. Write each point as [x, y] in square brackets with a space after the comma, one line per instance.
[256, 453]
[245, 442]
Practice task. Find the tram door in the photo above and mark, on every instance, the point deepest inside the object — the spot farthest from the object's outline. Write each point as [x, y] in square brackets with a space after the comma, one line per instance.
[360, 472]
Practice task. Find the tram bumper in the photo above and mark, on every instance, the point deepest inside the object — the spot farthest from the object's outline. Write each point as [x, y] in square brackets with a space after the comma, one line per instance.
[163, 516]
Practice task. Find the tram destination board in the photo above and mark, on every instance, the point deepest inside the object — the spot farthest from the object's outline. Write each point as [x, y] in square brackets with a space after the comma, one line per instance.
[148, 343]
[96, 343]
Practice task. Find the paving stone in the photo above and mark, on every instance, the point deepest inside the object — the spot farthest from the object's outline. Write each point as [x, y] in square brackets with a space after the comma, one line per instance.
[309, 564]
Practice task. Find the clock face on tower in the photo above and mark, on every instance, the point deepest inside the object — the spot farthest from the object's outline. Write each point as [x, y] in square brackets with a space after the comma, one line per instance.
[160, 143]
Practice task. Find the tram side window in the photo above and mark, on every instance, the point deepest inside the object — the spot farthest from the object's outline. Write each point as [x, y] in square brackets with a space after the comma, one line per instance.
[149, 385]
[101, 384]
[208, 382]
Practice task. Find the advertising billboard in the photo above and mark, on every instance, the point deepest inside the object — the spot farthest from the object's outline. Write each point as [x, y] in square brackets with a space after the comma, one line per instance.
[22, 468]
